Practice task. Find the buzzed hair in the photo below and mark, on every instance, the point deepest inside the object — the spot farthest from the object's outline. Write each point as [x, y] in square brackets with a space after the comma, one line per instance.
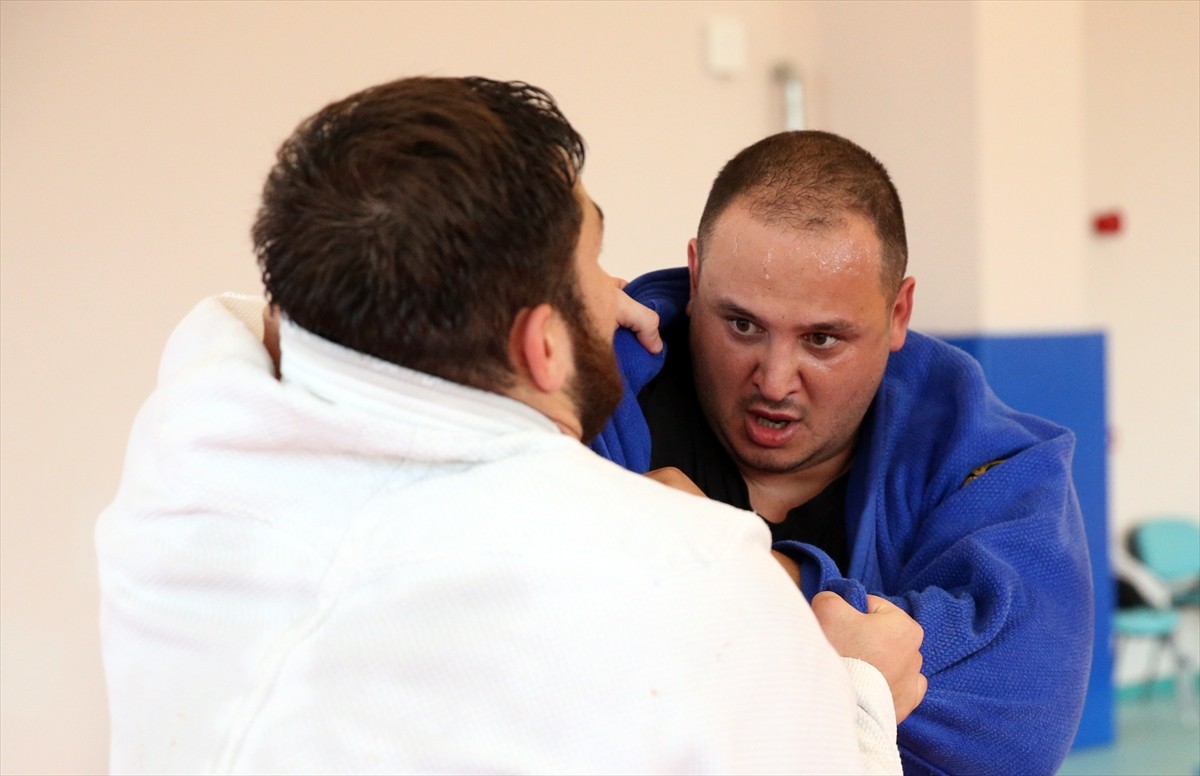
[809, 180]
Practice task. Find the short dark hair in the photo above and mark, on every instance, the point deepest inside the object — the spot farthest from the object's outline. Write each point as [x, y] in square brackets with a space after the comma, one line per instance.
[807, 180]
[413, 220]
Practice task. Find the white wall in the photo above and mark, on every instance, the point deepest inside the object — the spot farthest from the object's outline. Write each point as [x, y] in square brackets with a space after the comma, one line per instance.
[1143, 158]
[1033, 230]
[977, 110]
[899, 78]
[1007, 126]
[134, 138]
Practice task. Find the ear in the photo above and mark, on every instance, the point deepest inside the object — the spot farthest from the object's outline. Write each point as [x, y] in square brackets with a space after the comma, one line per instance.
[540, 348]
[693, 272]
[902, 313]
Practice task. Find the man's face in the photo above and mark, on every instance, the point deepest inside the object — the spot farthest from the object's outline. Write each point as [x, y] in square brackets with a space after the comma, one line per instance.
[790, 336]
[595, 388]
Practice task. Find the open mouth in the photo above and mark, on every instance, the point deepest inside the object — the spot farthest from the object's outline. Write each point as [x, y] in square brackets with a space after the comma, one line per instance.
[772, 428]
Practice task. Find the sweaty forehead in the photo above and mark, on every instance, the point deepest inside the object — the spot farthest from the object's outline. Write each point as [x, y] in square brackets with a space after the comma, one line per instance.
[745, 250]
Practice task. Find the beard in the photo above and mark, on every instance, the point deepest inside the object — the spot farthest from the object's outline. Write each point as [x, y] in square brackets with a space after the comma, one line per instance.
[595, 388]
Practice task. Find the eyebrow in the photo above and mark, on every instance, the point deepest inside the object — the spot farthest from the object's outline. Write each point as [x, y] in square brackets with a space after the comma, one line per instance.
[730, 307]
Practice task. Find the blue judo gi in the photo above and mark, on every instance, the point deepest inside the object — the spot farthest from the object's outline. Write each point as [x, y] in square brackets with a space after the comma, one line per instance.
[990, 560]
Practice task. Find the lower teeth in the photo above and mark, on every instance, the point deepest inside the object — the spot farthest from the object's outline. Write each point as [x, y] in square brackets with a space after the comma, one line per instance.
[775, 424]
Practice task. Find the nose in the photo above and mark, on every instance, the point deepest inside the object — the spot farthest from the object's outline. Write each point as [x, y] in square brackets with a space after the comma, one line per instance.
[777, 375]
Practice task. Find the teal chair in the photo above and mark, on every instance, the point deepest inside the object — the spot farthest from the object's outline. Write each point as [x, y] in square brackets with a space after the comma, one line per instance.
[1168, 547]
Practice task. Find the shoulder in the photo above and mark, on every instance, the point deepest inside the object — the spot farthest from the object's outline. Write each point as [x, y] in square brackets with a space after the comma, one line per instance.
[631, 515]
[576, 527]
[216, 407]
[219, 328]
[935, 404]
[558, 500]
[214, 376]
[627, 601]
[212, 357]
[929, 362]
[932, 388]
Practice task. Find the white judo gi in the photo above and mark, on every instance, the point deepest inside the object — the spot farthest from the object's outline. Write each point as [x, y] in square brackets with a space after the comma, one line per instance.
[364, 569]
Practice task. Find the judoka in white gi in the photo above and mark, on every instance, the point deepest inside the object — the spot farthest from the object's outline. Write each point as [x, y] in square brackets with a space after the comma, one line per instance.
[396, 556]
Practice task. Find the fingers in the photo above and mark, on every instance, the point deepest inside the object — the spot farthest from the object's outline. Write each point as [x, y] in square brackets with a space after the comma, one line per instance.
[905, 703]
[830, 608]
[903, 622]
[886, 637]
[639, 319]
[837, 621]
[877, 604]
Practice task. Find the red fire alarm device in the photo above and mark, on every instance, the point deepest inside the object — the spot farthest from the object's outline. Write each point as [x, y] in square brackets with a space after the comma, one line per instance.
[1108, 223]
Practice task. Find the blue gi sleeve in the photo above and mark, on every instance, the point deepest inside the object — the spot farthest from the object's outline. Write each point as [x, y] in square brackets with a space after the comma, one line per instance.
[819, 573]
[998, 576]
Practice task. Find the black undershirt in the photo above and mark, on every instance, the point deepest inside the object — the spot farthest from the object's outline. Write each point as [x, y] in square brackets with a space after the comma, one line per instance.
[680, 437]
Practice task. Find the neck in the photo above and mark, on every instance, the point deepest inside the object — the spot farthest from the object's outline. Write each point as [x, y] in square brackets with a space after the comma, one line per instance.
[774, 494]
[555, 406]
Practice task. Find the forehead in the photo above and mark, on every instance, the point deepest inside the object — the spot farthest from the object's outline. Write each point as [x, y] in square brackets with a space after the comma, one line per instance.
[760, 262]
[742, 241]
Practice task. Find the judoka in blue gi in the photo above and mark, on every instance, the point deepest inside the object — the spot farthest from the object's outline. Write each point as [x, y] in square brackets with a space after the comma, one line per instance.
[790, 384]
